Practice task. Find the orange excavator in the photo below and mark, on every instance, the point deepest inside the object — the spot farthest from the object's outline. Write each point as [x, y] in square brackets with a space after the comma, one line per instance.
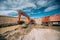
[24, 14]
[30, 21]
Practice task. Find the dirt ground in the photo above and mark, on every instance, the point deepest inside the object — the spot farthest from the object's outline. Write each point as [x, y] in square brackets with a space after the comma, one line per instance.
[32, 32]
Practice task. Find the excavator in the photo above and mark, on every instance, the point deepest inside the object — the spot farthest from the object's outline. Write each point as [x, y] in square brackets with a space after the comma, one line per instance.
[30, 21]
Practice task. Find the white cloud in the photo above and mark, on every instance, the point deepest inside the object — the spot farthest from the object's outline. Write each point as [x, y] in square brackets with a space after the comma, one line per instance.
[44, 3]
[28, 5]
[51, 8]
[21, 4]
[6, 12]
[14, 5]
[24, 6]
[2, 8]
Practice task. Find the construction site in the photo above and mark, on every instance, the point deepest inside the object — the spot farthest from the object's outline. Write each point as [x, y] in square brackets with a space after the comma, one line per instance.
[18, 28]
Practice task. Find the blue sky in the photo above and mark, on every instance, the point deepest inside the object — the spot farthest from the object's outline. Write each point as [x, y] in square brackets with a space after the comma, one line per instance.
[34, 8]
